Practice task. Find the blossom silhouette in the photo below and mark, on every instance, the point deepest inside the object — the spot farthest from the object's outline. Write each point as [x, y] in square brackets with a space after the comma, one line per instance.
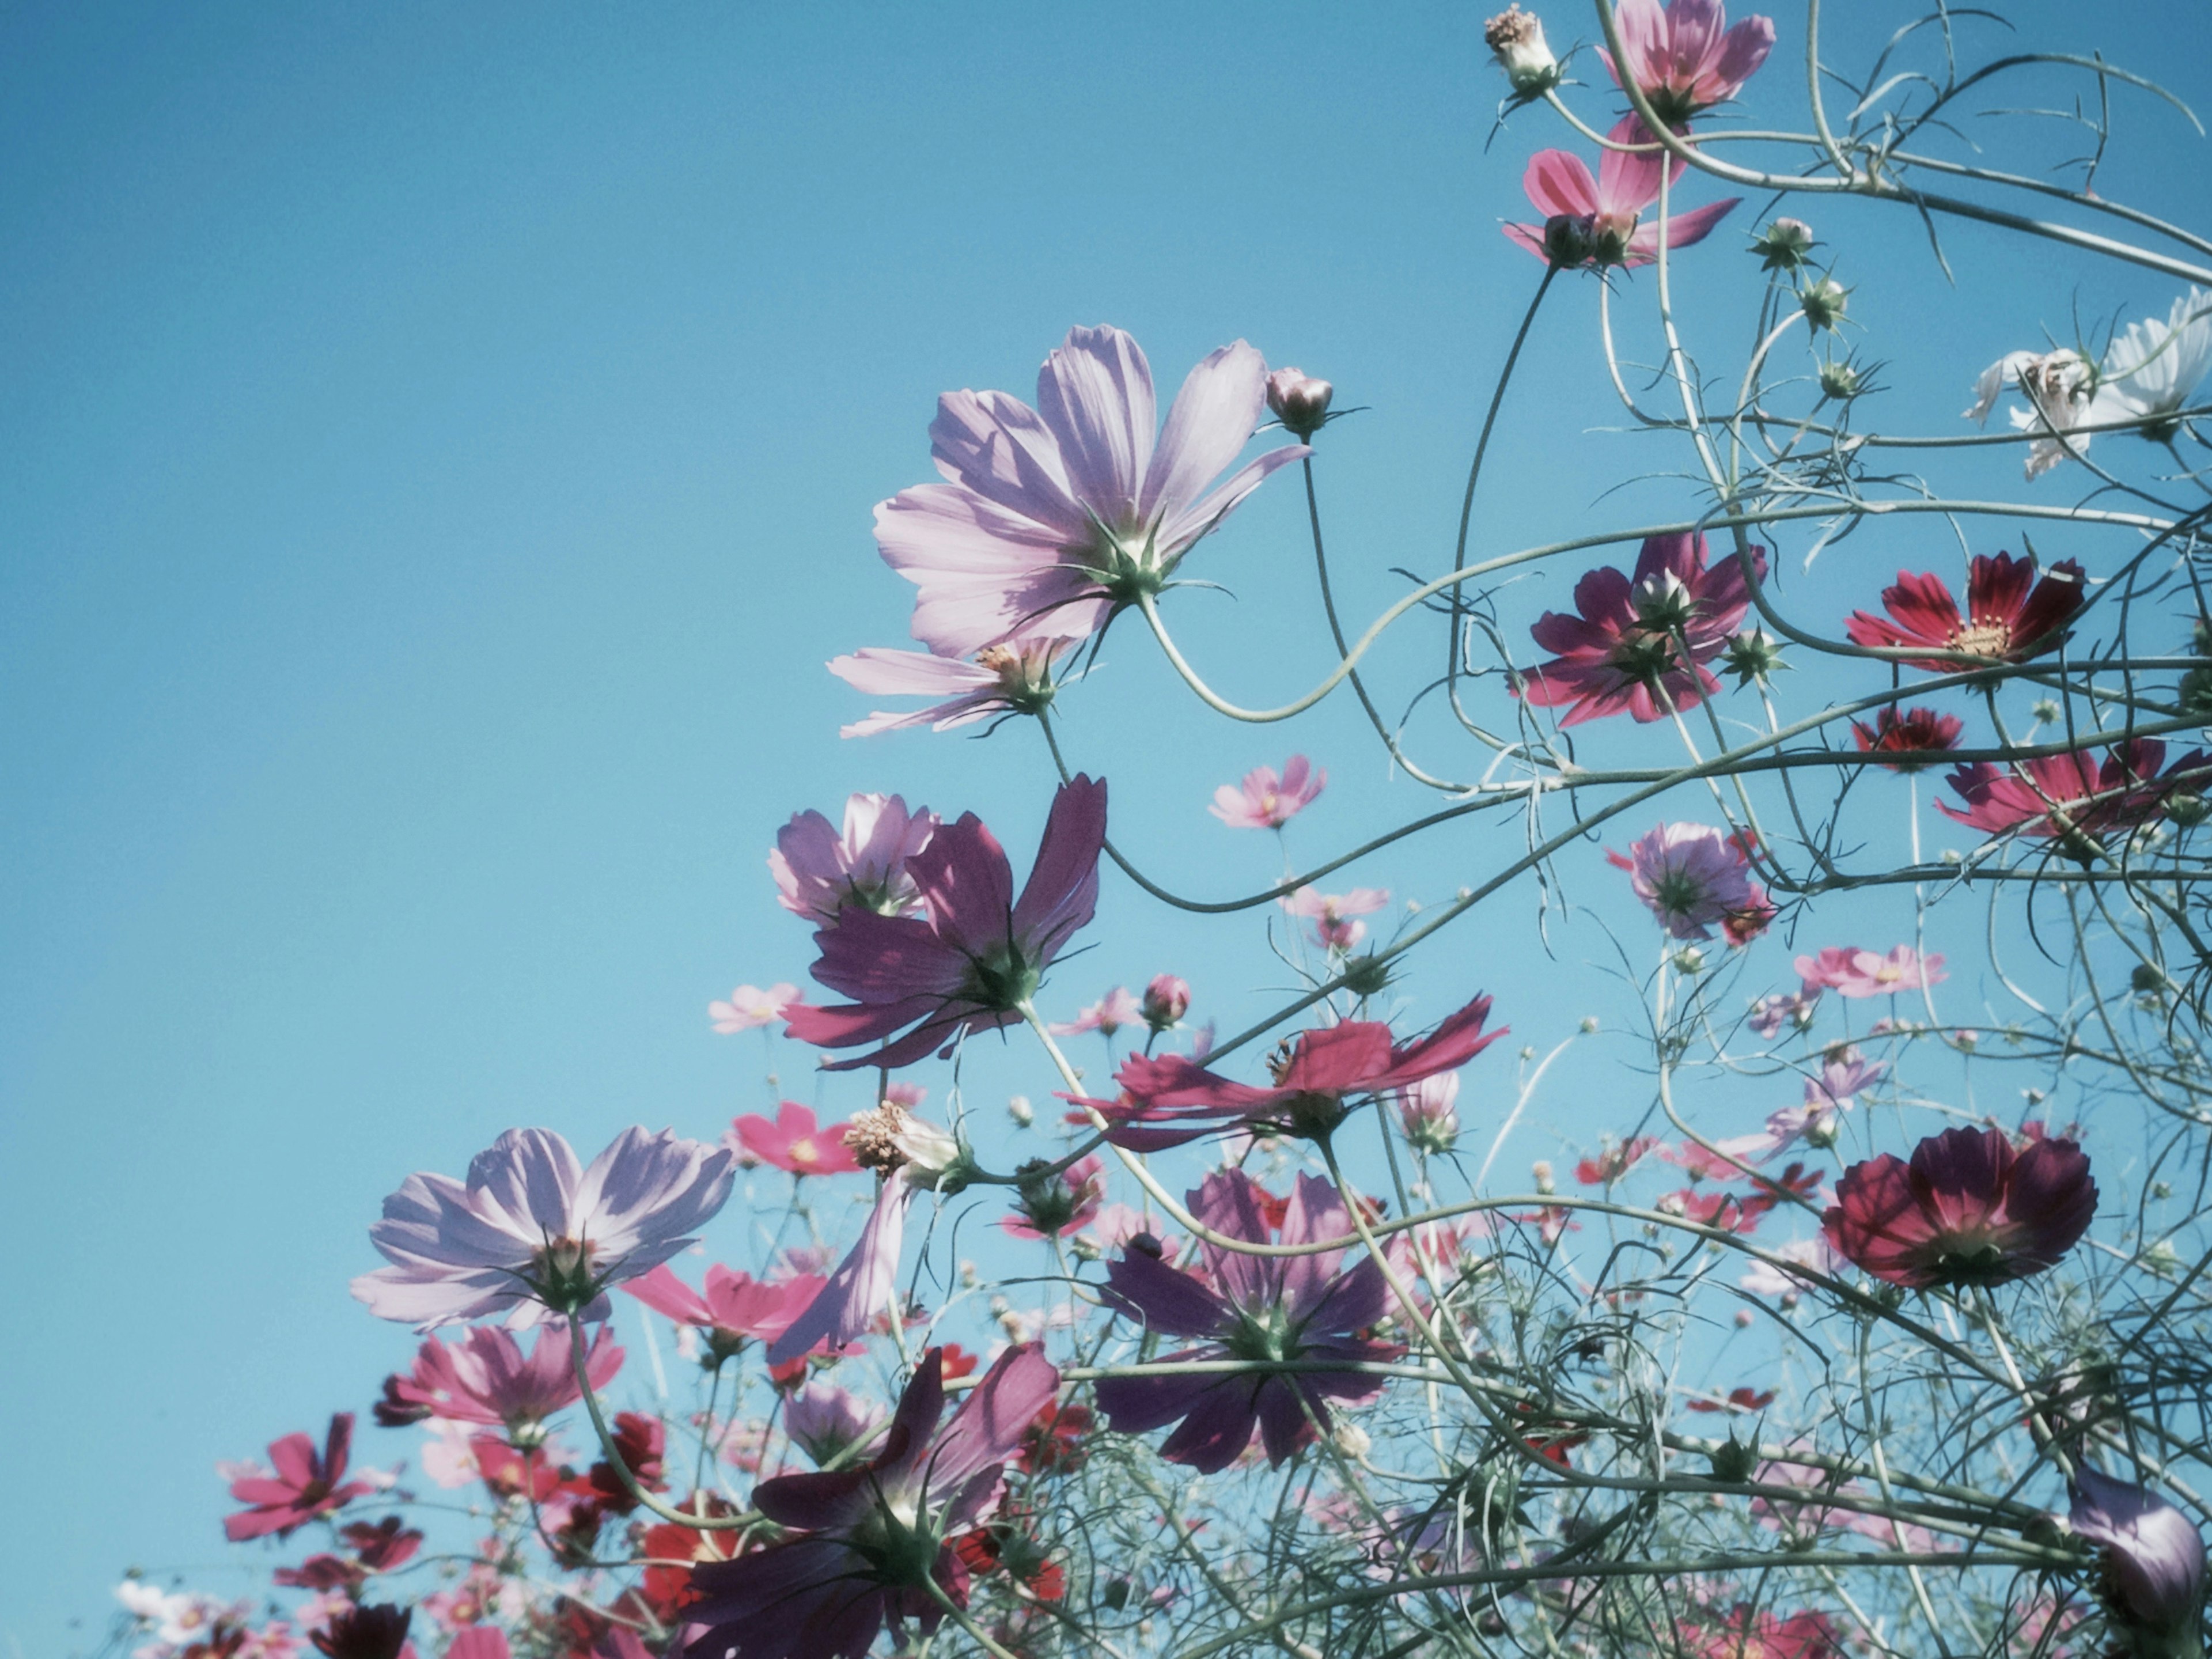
[870, 1539]
[1015, 678]
[2075, 797]
[1641, 642]
[486, 1377]
[2011, 615]
[1250, 1307]
[974, 962]
[822, 874]
[733, 1308]
[1692, 878]
[1590, 223]
[1266, 800]
[1054, 518]
[1684, 57]
[795, 1142]
[1916, 731]
[532, 1230]
[1967, 1210]
[304, 1484]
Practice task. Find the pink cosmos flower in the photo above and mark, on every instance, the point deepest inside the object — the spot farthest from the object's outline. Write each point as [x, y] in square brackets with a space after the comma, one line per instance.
[749, 1008]
[2076, 798]
[1641, 634]
[1686, 58]
[980, 955]
[1854, 973]
[1053, 519]
[1592, 223]
[821, 874]
[1116, 1008]
[486, 1377]
[1169, 1100]
[532, 1230]
[1250, 1307]
[2013, 613]
[1690, 875]
[302, 1487]
[1967, 1210]
[2153, 1561]
[1428, 1112]
[794, 1143]
[1266, 801]
[1012, 679]
[871, 1538]
[734, 1306]
[1056, 1203]
[1332, 914]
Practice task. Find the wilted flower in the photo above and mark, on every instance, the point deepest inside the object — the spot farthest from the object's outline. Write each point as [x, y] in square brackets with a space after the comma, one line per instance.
[1518, 38]
[1967, 1210]
[821, 874]
[1915, 731]
[1014, 677]
[1299, 401]
[1266, 801]
[304, 1484]
[2153, 1561]
[2011, 615]
[1601, 219]
[2060, 387]
[1690, 877]
[1686, 58]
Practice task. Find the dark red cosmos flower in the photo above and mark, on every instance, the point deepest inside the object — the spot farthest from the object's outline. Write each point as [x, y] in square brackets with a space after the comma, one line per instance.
[375, 1632]
[1915, 731]
[1171, 1099]
[1967, 1210]
[389, 1543]
[1739, 1400]
[977, 957]
[673, 1549]
[304, 1485]
[2073, 797]
[642, 1442]
[2010, 615]
[1614, 1162]
[1640, 634]
[1003, 1545]
[1055, 1442]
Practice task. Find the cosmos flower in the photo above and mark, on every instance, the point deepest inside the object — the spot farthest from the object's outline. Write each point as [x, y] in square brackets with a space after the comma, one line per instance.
[303, 1484]
[1590, 223]
[974, 962]
[1332, 915]
[1915, 731]
[869, 1540]
[2153, 1563]
[1967, 1210]
[733, 1307]
[861, 1287]
[1640, 636]
[820, 873]
[1267, 801]
[1054, 1203]
[1684, 57]
[2152, 369]
[795, 1142]
[1854, 973]
[2011, 615]
[1169, 1100]
[486, 1377]
[2075, 797]
[1793, 1008]
[2060, 387]
[364, 1632]
[826, 1422]
[532, 1230]
[1052, 518]
[1016, 677]
[1299, 400]
[1109, 1014]
[749, 1008]
[1690, 877]
[1249, 1308]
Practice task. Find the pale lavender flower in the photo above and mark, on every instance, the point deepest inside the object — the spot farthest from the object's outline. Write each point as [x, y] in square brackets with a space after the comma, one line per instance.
[826, 1422]
[1776, 1010]
[1690, 877]
[820, 874]
[1814, 1254]
[1844, 1072]
[532, 1230]
[1016, 677]
[2153, 1564]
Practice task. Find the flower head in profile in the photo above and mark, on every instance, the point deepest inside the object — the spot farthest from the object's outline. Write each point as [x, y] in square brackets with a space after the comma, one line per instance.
[1112, 1012]
[1692, 878]
[1916, 731]
[1965, 1210]
[1233, 1306]
[1516, 38]
[1169, 1100]
[1267, 800]
[1793, 1008]
[749, 1008]
[908, 1155]
[487, 1377]
[1852, 972]
[975, 960]
[2061, 389]
[2152, 369]
[532, 1231]
[1684, 56]
[868, 1540]
[1300, 401]
[795, 1142]
[2076, 798]
[1051, 518]
[1017, 677]
[732, 1309]
[2013, 613]
[1333, 914]
[1590, 223]
[822, 874]
[304, 1484]
[826, 1422]
[1055, 1201]
[1166, 1000]
[1428, 1111]
[1641, 642]
[2151, 1561]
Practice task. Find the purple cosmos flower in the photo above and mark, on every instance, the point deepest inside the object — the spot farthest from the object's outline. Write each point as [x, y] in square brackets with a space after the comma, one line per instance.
[1690, 877]
[1300, 401]
[2152, 1564]
[1249, 1308]
[1686, 58]
[1967, 1210]
[1844, 1072]
[532, 1230]
[1168, 1100]
[979, 955]
[1012, 679]
[486, 1377]
[871, 1539]
[1590, 223]
[1266, 800]
[1636, 635]
[821, 874]
[1054, 518]
[826, 1422]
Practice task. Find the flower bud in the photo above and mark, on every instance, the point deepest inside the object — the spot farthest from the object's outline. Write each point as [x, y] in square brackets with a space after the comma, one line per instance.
[1839, 381]
[1020, 1109]
[1166, 1000]
[1734, 1462]
[1663, 602]
[1351, 1439]
[2185, 810]
[1299, 401]
[1542, 1172]
[1752, 656]
[1823, 303]
[1784, 245]
[1427, 1110]
[1518, 38]
[2153, 1563]
[1689, 960]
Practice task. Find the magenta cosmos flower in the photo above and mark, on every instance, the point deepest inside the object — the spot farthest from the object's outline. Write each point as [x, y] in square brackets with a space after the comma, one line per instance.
[2075, 797]
[795, 1142]
[1916, 731]
[871, 1539]
[1267, 800]
[1261, 1309]
[2152, 1563]
[2010, 616]
[820, 873]
[1852, 972]
[1170, 1100]
[733, 1309]
[1967, 1210]
[1015, 678]
[486, 1377]
[302, 1487]
[1692, 878]
[1054, 518]
[1590, 223]
[532, 1229]
[1640, 634]
[980, 954]
[1686, 58]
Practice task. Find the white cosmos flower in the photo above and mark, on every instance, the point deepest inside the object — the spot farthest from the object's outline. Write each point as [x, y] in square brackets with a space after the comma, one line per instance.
[2152, 368]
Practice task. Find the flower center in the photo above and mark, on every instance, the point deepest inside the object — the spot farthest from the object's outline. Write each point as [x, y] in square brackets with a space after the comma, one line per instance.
[1002, 980]
[1643, 654]
[1263, 1335]
[1984, 638]
[561, 1274]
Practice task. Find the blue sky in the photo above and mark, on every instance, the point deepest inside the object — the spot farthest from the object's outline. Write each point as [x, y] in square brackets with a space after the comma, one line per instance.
[442, 443]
